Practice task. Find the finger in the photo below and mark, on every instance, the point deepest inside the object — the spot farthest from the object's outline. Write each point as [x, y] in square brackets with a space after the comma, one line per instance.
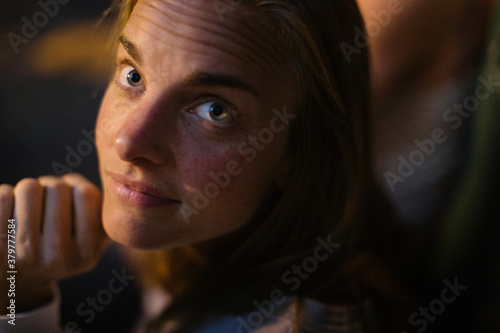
[57, 220]
[6, 213]
[28, 209]
[89, 234]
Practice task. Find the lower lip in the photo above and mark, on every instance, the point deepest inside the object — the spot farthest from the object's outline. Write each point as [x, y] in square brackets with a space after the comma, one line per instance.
[138, 199]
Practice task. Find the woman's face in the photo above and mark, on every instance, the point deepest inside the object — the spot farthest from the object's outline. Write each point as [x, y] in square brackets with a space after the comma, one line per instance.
[192, 131]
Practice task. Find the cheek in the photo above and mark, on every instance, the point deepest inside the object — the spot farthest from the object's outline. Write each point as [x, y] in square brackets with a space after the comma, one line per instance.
[225, 188]
[111, 116]
[104, 126]
[214, 174]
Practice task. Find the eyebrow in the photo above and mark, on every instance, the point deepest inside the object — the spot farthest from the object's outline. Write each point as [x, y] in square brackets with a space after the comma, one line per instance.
[130, 47]
[204, 79]
[197, 79]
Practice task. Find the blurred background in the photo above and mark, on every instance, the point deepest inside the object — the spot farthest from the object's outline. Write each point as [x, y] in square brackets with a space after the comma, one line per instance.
[53, 84]
[426, 56]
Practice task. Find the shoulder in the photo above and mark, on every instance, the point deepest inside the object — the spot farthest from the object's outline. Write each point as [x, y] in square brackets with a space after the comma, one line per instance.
[318, 317]
[305, 315]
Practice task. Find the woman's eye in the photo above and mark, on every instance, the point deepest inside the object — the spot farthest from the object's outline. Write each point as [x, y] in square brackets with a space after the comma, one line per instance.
[215, 112]
[130, 76]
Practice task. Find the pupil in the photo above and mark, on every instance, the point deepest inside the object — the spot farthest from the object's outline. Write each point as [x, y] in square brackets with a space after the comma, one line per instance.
[134, 77]
[217, 110]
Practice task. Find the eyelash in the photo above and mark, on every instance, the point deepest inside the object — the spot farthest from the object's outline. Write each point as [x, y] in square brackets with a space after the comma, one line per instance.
[215, 99]
[135, 92]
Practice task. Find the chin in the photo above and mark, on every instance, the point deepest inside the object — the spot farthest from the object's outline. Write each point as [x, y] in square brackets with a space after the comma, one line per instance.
[142, 233]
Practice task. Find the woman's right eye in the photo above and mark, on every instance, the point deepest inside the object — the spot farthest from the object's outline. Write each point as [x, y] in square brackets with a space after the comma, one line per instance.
[130, 77]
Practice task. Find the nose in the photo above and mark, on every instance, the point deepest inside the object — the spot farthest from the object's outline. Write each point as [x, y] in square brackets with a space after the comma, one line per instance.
[143, 139]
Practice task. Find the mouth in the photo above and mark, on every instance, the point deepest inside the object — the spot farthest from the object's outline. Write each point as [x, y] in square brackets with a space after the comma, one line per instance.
[139, 193]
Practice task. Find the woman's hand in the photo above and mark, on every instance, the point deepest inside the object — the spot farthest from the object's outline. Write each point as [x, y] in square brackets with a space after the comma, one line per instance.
[58, 234]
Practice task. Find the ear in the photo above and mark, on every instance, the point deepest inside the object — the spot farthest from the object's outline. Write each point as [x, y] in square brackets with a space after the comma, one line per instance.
[283, 170]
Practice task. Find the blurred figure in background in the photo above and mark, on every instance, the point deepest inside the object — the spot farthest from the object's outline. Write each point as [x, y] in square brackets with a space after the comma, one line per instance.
[436, 147]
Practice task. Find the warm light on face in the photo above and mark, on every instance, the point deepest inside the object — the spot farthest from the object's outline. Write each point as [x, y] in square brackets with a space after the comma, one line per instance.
[185, 133]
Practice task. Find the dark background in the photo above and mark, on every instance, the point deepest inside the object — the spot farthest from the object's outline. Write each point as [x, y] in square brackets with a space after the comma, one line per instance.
[50, 91]
[47, 99]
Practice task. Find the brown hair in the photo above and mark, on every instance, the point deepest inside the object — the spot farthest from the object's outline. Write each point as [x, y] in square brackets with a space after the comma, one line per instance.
[329, 179]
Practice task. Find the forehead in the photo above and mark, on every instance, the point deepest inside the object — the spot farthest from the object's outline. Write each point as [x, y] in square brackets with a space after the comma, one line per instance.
[241, 35]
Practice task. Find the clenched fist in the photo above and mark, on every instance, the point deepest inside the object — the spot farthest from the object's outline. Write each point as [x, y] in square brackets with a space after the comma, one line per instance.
[58, 234]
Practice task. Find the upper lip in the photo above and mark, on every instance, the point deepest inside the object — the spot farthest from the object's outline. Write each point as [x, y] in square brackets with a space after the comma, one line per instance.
[140, 186]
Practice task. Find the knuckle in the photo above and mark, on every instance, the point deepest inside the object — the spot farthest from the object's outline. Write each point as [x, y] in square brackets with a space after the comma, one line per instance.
[28, 189]
[54, 183]
[27, 185]
[88, 192]
[73, 176]
[75, 179]
[6, 194]
[61, 187]
[83, 189]
[49, 181]
[6, 188]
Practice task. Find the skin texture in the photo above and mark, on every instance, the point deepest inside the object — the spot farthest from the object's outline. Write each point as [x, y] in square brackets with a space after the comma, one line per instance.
[156, 138]
[58, 234]
[157, 134]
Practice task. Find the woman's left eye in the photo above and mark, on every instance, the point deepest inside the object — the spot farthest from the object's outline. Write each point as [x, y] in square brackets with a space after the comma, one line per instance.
[130, 77]
[215, 112]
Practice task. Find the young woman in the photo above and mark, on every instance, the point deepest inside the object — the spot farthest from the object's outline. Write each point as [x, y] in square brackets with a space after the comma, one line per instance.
[232, 145]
